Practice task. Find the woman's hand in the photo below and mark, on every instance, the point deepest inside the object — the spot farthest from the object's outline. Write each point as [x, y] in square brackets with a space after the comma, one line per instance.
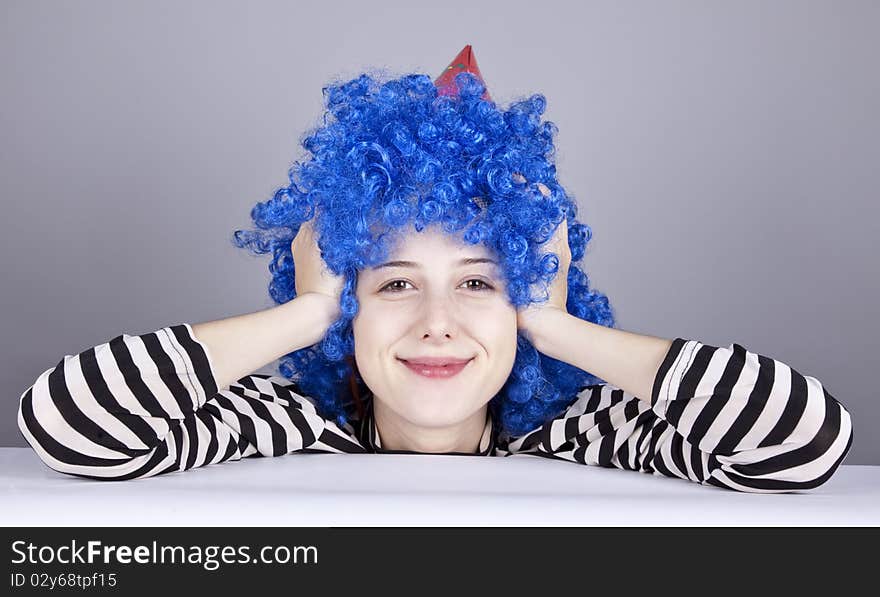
[312, 274]
[528, 319]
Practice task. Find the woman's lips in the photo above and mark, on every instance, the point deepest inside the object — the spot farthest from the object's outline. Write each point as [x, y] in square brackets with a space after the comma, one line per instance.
[434, 371]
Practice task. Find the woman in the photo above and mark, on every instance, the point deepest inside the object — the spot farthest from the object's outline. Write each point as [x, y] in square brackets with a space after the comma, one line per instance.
[428, 303]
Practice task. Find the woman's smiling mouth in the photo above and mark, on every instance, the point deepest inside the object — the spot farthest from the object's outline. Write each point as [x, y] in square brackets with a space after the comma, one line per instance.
[426, 369]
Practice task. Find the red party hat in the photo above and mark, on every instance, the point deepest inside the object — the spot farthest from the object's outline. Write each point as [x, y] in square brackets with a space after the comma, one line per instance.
[464, 62]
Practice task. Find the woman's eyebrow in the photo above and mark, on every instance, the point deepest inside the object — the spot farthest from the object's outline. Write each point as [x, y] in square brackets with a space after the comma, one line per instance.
[416, 265]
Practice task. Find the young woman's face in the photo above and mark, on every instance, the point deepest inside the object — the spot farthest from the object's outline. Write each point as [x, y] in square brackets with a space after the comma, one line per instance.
[436, 304]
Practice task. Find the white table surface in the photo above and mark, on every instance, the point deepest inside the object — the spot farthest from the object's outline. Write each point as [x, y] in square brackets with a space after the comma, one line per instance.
[416, 489]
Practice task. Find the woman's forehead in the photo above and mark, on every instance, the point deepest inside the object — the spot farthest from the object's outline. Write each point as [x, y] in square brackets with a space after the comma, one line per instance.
[435, 244]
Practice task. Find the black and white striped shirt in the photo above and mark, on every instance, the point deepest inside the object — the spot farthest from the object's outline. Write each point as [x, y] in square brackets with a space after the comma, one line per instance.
[139, 406]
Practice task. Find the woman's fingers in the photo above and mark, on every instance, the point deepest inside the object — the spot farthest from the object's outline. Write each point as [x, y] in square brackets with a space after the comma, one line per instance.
[310, 271]
[518, 177]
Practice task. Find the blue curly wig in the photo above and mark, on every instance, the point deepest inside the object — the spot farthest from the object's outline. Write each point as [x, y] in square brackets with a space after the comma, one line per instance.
[396, 152]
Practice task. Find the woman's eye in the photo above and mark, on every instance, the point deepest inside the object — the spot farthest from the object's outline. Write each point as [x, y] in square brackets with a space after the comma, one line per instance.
[388, 287]
[395, 285]
[483, 285]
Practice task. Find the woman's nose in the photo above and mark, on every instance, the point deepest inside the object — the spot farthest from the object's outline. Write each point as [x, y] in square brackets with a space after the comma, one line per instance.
[438, 316]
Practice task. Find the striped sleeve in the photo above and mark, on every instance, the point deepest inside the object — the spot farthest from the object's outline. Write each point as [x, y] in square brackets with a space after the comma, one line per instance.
[145, 405]
[720, 416]
[756, 424]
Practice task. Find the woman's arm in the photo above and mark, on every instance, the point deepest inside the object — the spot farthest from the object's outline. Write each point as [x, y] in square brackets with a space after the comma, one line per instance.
[716, 415]
[239, 345]
[722, 416]
[149, 404]
[624, 359]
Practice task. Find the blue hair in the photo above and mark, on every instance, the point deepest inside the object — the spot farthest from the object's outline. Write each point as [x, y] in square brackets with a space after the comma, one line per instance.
[396, 152]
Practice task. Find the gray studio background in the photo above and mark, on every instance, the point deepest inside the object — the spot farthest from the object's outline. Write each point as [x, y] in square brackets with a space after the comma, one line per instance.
[724, 154]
